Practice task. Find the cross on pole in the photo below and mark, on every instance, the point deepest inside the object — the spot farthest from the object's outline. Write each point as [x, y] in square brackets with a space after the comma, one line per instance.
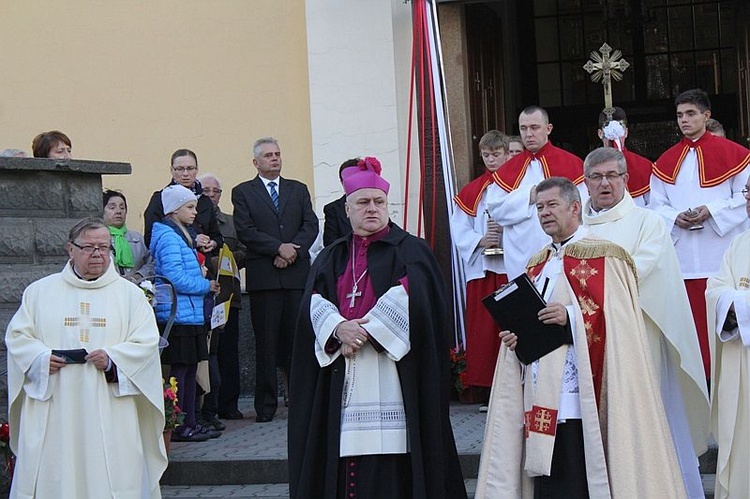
[606, 67]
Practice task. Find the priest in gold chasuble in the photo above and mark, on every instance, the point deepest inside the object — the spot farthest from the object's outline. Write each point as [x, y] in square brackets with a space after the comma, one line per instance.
[574, 423]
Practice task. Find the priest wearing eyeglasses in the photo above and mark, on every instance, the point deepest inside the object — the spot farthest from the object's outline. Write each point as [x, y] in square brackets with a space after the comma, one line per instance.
[84, 380]
[370, 369]
[611, 213]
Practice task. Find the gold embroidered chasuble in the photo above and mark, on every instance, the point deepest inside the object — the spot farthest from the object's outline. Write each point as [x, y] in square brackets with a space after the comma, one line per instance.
[621, 408]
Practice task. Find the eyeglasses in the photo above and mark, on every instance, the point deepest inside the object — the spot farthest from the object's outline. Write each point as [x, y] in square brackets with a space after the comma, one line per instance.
[89, 250]
[183, 169]
[598, 178]
[211, 190]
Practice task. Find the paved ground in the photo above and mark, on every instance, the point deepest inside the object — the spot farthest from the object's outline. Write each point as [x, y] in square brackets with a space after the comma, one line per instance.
[249, 459]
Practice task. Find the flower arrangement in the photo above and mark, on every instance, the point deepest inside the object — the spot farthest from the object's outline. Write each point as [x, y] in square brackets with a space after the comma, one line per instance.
[458, 368]
[148, 289]
[5, 444]
[173, 415]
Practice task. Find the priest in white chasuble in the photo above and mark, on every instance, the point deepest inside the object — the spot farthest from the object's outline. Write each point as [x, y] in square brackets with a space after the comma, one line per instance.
[610, 213]
[85, 424]
[696, 187]
[573, 423]
[728, 302]
[370, 364]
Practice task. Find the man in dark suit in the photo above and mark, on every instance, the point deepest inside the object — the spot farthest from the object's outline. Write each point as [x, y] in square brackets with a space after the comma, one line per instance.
[336, 222]
[274, 219]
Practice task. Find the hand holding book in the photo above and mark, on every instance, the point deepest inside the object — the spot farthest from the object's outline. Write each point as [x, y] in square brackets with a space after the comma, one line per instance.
[534, 327]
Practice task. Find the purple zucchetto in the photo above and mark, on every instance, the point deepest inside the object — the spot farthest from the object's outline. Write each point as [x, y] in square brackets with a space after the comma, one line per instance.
[366, 175]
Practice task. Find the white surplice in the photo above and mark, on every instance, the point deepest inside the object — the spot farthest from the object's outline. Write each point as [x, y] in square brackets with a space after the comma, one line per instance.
[700, 251]
[522, 234]
[466, 232]
[373, 420]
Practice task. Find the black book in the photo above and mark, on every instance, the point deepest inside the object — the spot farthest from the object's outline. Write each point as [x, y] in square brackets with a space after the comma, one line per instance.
[75, 356]
[515, 307]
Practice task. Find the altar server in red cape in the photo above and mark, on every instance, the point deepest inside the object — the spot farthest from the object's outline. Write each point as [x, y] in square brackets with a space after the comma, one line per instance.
[473, 231]
[697, 187]
[511, 198]
[573, 423]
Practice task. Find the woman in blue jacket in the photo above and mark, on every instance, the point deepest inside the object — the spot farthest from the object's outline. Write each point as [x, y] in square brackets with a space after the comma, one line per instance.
[176, 259]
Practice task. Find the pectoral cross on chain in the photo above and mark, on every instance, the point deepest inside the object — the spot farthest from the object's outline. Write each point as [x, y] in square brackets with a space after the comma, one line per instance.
[353, 295]
[605, 68]
[85, 322]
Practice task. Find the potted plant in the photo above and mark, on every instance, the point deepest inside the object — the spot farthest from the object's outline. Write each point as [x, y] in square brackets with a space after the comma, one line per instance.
[173, 415]
[10, 459]
[458, 369]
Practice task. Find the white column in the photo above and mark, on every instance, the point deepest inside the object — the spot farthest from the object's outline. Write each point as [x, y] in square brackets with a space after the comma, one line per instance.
[359, 57]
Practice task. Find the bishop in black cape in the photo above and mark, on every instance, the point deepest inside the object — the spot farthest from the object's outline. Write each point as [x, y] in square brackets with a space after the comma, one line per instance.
[315, 408]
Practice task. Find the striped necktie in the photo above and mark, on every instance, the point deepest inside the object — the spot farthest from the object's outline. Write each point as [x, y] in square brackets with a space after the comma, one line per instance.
[274, 194]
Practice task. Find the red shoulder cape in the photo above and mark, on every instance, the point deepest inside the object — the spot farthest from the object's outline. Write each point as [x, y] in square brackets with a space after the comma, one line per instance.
[469, 197]
[555, 162]
[718, 159]
[639, 173]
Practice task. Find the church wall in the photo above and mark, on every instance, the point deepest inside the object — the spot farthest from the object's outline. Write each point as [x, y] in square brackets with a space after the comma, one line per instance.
[133, 81]
[359, 72]
[453, 38]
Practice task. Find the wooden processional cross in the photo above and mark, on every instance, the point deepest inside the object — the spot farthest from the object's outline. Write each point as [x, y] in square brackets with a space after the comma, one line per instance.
[606, 67]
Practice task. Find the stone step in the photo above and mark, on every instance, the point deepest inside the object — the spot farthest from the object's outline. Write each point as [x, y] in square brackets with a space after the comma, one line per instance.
[281, 490]
[256, 453]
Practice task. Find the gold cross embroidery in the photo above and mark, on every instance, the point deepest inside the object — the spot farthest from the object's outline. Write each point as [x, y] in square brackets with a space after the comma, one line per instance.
[590, 336]
[582, 272]
[542, 420]
[744, 283]
[85, 322]
[588, 306]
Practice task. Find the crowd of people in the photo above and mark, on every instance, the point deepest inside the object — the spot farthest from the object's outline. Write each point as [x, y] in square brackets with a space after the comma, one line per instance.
[644, 350]
[641, 264]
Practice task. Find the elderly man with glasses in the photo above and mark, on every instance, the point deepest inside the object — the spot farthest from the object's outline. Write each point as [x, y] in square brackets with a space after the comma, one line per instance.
[84, 380]
[226, 401]
[611, 213]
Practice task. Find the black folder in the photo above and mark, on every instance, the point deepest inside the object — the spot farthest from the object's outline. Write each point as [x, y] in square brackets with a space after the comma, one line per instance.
[76, 356]
[515, 307]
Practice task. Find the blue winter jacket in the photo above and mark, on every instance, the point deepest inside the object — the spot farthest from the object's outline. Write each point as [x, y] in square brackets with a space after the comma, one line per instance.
[178, 262]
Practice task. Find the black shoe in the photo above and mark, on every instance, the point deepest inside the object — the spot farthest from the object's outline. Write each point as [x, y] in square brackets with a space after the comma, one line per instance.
[263, 418]
[235, 414]
[206, 430]
[187, 434]
[212, 424]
